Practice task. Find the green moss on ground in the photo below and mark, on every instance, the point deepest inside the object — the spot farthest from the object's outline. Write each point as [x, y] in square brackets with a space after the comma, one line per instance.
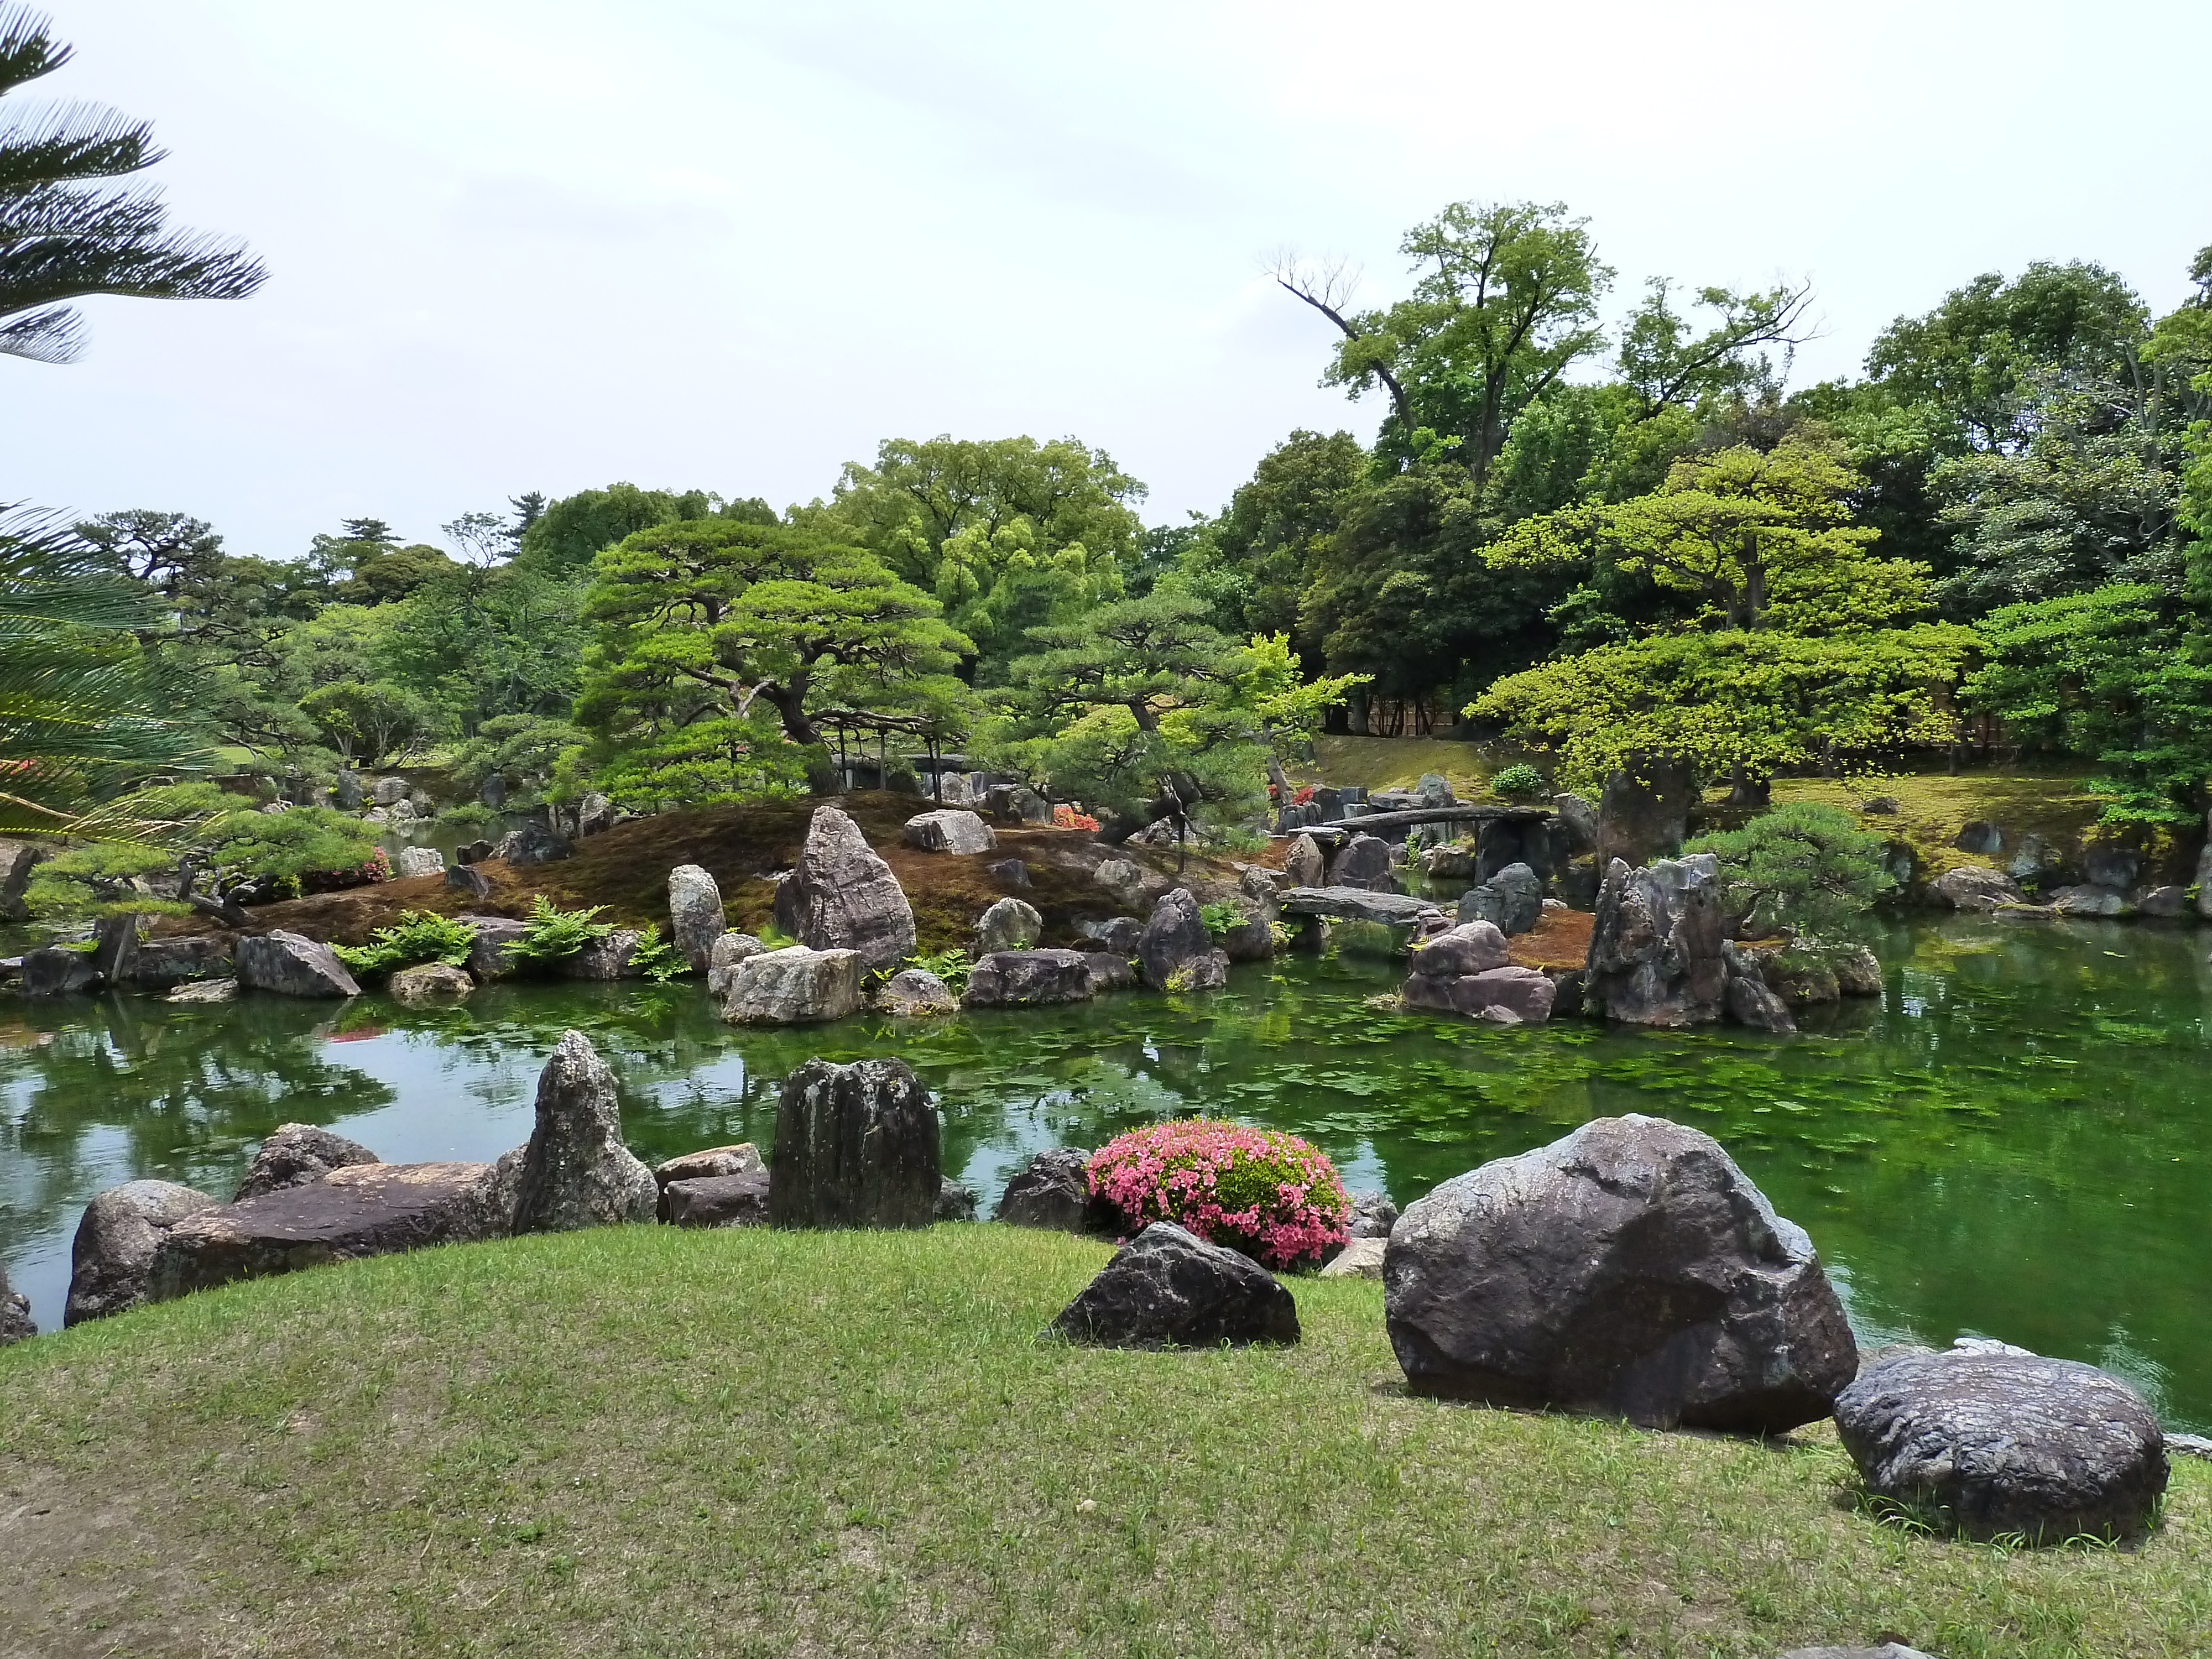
[646, 1441]
[1399, 763]
[1933, 808]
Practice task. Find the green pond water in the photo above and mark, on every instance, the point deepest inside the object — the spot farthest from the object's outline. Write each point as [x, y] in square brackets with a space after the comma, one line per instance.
[2012, 1142]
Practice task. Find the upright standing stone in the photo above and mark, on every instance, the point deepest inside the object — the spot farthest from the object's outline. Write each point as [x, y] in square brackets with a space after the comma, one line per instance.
[1307, 865]
[117, 1238]
[1010, 923]
[1629, 1270]
[1176, 934]
[843, 897]
[576, 1172]
[1654, 951]
[855, 1146]
[695, 915]
[1363, 861]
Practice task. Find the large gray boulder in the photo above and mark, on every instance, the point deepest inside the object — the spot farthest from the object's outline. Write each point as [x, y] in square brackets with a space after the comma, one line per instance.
[1513, 899]
[429, 983]
[1011, 924]
[1053, 1190]
[793, 987]
[695, 914]
[576, 1172]
[1124, 880]
[612, 956]
[1168, 1288]
[363, 1210]
[739, 1200]
[16, 1324]
[1972, 887]
[161, 964]
[855, 1146]
[420, 861]
[1644, 812]
[112, 1261]
[1108, 972]
[1175, 935]
[1307, 864]
[1527, 995]
[1440, 963]
[488, 956]
[54, 970]
[1365, 862]
[297, 1154]
[1998, 1442]
[843, 897]
[1119, 934]
[293, 966]
[1628, 1270]
[532, 843]
[1654, 951]
[1029, 978]
[949, 830]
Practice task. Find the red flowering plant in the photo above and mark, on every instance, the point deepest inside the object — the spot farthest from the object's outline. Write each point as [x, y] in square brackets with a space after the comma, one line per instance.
[1271, 1195]
[1065, 817]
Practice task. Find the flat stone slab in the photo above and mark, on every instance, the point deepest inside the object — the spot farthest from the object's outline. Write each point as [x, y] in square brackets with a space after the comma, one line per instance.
[366, 1209]
[1357, 904]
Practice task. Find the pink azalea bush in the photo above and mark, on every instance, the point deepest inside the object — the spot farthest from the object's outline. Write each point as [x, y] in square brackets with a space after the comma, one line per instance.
[1270, 1194]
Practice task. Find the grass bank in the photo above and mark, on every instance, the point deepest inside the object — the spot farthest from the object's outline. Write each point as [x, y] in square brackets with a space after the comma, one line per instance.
[653, 1442]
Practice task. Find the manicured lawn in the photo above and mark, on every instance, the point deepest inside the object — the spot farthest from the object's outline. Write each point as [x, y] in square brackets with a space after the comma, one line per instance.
[647, 1441]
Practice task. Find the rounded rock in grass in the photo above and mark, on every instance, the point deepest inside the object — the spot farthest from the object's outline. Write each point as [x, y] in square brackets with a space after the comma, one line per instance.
[1010, 923]
[1168, 1289]
[117, 1238]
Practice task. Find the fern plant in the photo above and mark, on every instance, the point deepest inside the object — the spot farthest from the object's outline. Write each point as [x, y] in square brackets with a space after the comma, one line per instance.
[555, 934]
[656, 958]
[418, 936]
[950, 966]
[1222, 918]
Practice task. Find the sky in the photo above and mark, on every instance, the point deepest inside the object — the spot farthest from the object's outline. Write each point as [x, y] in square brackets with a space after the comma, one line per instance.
[531, 244]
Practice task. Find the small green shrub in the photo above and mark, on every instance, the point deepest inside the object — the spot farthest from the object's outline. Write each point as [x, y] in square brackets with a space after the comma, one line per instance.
[555, 934]
[656, 958]
[418, 936]
[952, 966]
[1222, 918]
[1805, 869]
[1520, 782]
[469, 815]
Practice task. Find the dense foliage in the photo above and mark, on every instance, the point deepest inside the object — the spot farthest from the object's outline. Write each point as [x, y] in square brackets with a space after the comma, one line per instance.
[1264, 1192]
[1804, 870]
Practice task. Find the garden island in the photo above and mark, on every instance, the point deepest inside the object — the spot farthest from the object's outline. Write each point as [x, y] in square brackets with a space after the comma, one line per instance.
[1579, 1029]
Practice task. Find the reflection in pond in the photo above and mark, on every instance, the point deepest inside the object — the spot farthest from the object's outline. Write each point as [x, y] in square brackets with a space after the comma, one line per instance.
[2012, 1143]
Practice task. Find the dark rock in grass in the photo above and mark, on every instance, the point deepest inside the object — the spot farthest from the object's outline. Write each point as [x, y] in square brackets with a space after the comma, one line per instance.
[1028, 979]
[1175, 933]
[368, 1209]
[956, 1200]
[1364, 862]
[728, 950]
[1372, 1215]
[1980, 835]
[533, 843]
[467, 879]
[695, 914]
[117, 1237]
[949, 829]
[291, 965]
[1995, 1444]
[1166, 1288]
[1108, 971]
[743, 1158]
[855, 1146]
[1628, 1270]
[162, 965]
[297, 1154]
[470, 852]
[16, 1324]
[1010, 923]
[1654, 951]
[576, 1172]
[1887, 1650]
[428, 982]
[727, 1200]
[843, 897]
[1012, 872]
[793, 987]
[54, 970]
[1053, 1191]
[916, 993]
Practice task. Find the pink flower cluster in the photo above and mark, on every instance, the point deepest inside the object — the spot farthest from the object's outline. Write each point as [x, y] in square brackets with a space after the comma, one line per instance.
[1270, 1194]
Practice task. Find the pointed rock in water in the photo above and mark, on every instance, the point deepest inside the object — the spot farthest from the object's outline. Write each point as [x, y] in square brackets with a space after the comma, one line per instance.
[1168, 1288]
[695, 914]
[843, 896]
[1176, 934]
[296, 1155]
[576, 1171]
[1009, 924]
[117, 1239]
[855, 1146]
[1628, 1270]
[1654, 951]
[293, 966]
[2007, 1443]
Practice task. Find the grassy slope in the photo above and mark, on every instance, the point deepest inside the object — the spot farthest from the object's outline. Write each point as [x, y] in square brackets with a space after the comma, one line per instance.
[648, 1441]
[1933, 808]
[1399, 763]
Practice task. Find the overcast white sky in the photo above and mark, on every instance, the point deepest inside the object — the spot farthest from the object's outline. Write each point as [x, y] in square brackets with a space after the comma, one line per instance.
[540, 244]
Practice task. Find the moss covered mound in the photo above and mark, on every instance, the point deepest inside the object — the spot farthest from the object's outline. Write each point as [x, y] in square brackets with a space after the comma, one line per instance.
[649, 1440]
